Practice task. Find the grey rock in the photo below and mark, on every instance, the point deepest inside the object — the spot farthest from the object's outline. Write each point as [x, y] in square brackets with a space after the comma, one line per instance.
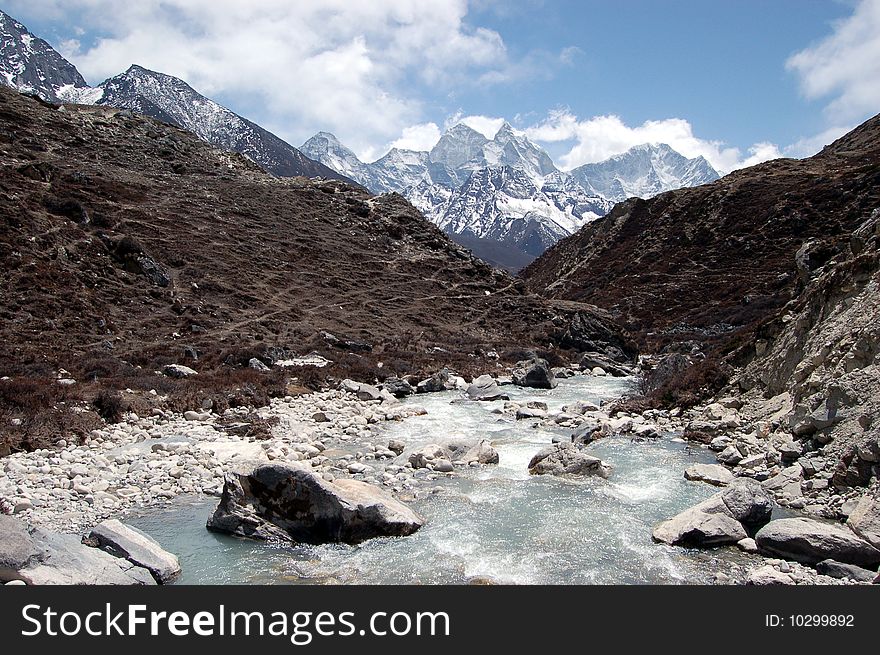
[129, 543]
[398, 387]
[178, 371]
[420, 458]
[714, 474]
[396, 446]
[529, 412]
[707, 524]
[279, 501]
[864, 520]
[748, 502]
[719, 520]
[810, 541]
[534, 373]
[481, 453]
[484, 388]
[730, 456]
[435, 383]
[18, 548]
[257, 365]
[844, 571]
[368, 392]
[565, 459]
[442, 465]
[69, 562]
[767, 575]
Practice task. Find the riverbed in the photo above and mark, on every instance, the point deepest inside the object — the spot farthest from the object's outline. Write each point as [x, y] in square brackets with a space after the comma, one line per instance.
[494, 524]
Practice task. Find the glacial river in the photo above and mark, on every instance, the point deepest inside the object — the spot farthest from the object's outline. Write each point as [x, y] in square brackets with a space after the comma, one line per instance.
[493, 524]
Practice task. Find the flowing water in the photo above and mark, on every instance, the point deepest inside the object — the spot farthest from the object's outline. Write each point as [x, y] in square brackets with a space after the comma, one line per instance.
[495, 524]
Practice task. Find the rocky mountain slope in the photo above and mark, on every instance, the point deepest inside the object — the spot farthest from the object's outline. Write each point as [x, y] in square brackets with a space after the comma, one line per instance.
[172, 100]
[761, 290]
[167, 251]
[31, 65]
[713, 262]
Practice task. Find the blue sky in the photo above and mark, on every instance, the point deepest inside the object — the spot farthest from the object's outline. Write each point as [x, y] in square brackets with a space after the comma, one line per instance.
[736, 81]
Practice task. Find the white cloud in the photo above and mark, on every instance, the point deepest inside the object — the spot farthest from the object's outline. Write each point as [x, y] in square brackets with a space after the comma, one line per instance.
[845, 66]
[598, 138]
[350, 67]
[418, 137]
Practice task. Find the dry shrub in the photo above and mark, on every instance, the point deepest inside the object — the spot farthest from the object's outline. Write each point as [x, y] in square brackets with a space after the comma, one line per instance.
[109, 405]
[693, 385]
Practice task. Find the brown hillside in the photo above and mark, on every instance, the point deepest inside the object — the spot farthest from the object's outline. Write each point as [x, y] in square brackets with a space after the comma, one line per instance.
[713, 261]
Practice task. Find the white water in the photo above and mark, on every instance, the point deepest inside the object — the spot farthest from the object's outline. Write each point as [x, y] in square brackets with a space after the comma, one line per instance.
[496, 523]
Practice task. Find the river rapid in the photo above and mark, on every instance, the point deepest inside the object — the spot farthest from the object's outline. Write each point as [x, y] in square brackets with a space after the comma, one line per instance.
[495, 524]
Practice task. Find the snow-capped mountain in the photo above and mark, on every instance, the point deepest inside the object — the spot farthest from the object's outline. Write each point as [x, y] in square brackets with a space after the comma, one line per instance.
[644, 171]
[483, 192]
[462, 150]
[326, 149]
[504, 204]
[30, 65]
[172, 100]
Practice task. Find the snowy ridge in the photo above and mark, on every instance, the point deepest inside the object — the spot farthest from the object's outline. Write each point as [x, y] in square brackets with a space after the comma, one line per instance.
[30, 65]
[644, 171]
[502, 190]
[174, 101]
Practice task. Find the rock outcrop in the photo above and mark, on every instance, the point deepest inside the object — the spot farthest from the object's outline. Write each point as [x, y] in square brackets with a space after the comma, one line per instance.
[140, 549]
[724, 519]
[279, 501]
[535, 373]
[565, 459]
[39, 557]
[811, 541]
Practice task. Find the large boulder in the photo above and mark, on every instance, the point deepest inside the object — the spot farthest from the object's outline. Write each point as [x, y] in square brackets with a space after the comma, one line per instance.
[18, 548]
[434, 384]
[69, 562]
[864, 520]
[281, 501]
[178, 371]
[534, 373]
[398, 387]
[713, 474]
[129, 543]
[469, 452]
[748, 502]
[844, 571]
[810, 541]
[707, 524]
[485, 388]
[564, 458]
[725, 518]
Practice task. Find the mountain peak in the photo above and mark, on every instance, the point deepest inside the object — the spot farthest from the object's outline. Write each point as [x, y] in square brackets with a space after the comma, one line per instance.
[463, 130]
[644, 171]
[506, 130]
[30, 65]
